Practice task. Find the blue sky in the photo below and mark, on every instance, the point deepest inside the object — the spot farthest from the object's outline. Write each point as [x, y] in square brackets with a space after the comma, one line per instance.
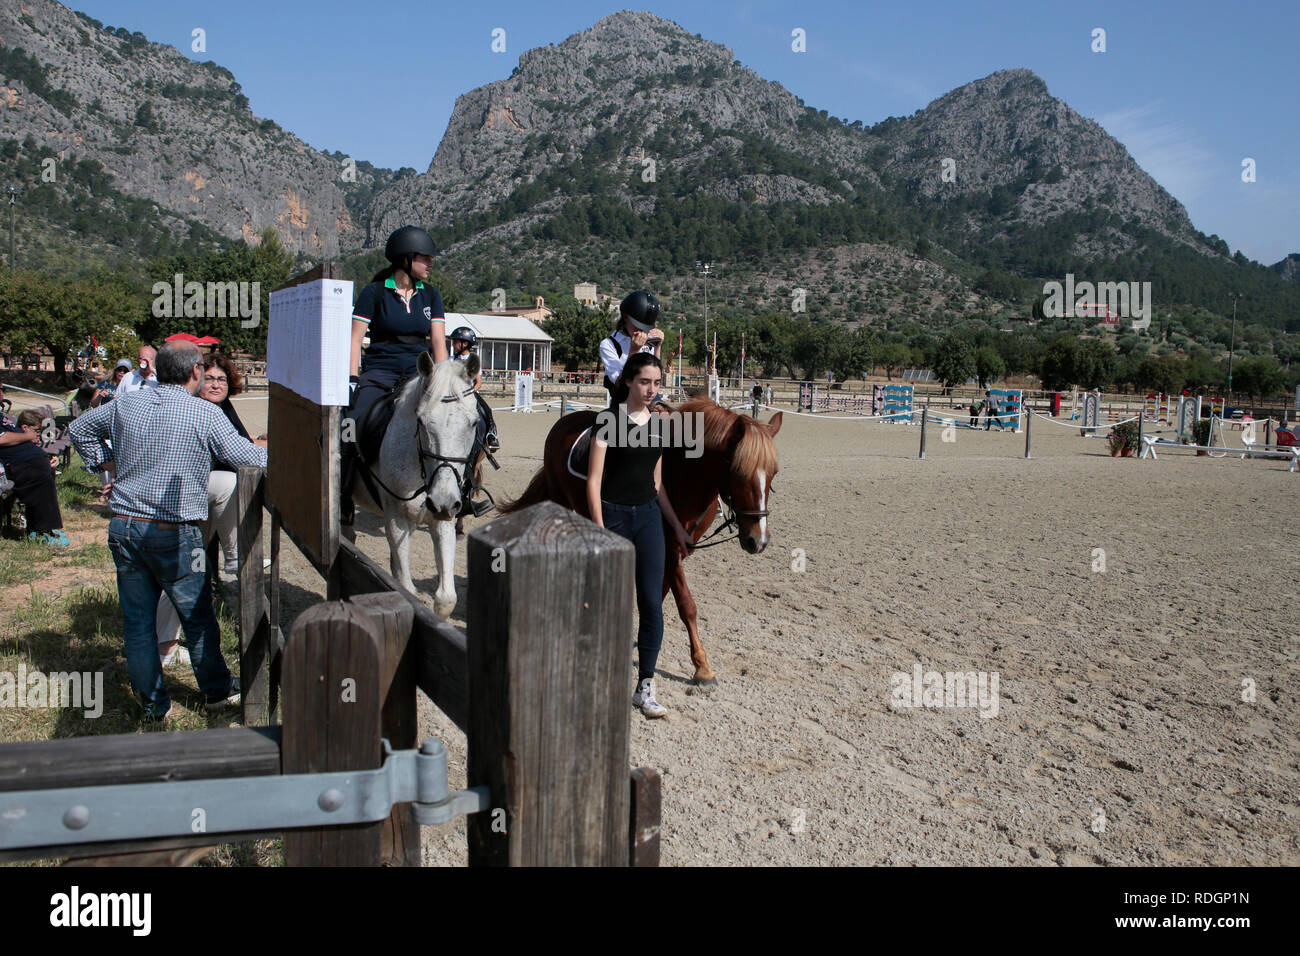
[1191, 88]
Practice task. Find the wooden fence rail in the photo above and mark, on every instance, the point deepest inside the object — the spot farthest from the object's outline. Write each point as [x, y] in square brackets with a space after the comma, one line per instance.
[540, 684]
[541, 690]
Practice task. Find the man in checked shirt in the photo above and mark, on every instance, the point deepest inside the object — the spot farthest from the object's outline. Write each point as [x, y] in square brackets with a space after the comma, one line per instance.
[164, 440]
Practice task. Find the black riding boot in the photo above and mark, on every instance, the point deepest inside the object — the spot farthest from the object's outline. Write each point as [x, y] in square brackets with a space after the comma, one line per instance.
[347, 471]
[487, 426]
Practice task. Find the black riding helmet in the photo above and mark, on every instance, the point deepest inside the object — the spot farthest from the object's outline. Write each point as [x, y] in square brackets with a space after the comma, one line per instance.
[464, 334]
[405, 243]
[642, 309]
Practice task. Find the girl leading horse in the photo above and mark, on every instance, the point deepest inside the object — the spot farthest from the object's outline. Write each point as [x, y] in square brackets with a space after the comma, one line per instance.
[735, 469]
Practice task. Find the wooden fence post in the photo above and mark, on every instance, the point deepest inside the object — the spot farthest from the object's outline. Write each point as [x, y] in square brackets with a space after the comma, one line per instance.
[332, 703]
[550, 627]
[392, 616]
[256, 648]
[643, 826]
[925, 414]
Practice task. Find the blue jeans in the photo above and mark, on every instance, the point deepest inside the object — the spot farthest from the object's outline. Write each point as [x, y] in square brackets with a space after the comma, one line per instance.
[643, 526]
[151, 559]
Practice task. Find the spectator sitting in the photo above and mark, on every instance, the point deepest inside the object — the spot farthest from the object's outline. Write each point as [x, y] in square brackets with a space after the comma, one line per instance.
[143, 376]
[106, 389]
[164, 442]
[31, 470]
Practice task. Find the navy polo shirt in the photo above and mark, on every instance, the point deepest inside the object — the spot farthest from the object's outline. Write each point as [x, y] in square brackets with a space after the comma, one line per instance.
[395, 324]
[22, 452]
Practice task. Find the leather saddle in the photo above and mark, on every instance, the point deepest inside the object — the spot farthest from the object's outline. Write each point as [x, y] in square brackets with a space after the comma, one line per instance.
[579, 455]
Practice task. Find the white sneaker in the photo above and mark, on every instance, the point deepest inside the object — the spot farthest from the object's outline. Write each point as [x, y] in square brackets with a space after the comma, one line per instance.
[644, 700]
[179, 657]
[231, 565]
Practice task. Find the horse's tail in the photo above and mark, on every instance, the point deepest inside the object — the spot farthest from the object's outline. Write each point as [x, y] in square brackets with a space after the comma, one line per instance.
[538, 490]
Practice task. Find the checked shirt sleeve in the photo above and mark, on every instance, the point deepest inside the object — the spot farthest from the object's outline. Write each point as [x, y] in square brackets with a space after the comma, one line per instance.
[89, 432]
[230, 447]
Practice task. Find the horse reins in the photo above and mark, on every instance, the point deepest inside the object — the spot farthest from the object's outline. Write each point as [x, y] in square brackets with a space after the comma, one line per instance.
[444, 461]
[728, 522]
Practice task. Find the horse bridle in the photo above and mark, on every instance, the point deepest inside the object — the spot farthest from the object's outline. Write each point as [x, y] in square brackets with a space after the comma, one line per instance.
[444, 461]
[729, 522]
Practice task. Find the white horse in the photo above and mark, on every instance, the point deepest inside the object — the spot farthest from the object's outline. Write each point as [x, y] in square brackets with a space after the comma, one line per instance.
[421, 469]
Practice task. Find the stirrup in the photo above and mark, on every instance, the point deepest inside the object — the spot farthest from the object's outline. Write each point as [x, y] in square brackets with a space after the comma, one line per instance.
[478, 508]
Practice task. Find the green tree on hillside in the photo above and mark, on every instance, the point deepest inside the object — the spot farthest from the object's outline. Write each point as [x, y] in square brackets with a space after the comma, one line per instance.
[1165, 374]
[269, 264]
[989, 366]
[953, 362]
[1059, 366]
[1260, 378]
[39, 309]
[894, 356]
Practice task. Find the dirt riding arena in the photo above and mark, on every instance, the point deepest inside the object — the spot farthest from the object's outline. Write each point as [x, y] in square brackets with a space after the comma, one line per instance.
[1144, 714]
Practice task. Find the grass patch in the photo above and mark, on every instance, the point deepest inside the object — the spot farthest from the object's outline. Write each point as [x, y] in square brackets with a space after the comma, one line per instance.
[76, 485]
[81, 630]
[22, 561]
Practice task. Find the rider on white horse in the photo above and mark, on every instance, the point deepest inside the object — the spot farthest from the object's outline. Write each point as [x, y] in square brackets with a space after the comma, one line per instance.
[404, 318]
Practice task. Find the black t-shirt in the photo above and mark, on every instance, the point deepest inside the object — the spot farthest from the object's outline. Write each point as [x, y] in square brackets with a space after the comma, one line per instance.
[630, 459]
[399, 331]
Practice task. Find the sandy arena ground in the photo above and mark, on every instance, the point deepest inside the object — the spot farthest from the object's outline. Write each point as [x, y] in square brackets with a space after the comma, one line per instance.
[1121, 736]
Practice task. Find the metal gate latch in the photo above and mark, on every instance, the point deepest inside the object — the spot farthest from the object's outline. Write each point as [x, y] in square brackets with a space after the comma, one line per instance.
[30, 818]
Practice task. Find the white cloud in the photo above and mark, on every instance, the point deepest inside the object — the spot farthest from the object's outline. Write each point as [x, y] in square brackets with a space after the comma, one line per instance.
[1173, 157]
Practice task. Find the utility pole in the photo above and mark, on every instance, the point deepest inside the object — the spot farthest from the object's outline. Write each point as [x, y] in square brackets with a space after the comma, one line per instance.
[13, 207]
[706, 270]
[1232, 341]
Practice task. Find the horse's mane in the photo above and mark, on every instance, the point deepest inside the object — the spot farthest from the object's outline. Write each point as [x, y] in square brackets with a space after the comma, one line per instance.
[756, 450]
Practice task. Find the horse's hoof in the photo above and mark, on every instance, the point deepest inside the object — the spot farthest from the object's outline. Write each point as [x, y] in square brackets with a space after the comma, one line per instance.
[705, 683]
[444, 608]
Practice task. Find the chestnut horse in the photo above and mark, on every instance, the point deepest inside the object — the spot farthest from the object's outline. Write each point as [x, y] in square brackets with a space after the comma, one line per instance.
[736, 466]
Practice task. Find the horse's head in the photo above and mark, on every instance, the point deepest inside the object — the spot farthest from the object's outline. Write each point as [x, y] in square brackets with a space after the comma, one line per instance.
[749, 480]
[740, 462]
[446, 416]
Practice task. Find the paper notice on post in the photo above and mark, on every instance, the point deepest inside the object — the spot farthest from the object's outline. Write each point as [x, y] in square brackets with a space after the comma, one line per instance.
[309, 340]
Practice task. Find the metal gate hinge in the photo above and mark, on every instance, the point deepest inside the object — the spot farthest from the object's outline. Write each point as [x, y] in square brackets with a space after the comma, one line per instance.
[31, 818]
